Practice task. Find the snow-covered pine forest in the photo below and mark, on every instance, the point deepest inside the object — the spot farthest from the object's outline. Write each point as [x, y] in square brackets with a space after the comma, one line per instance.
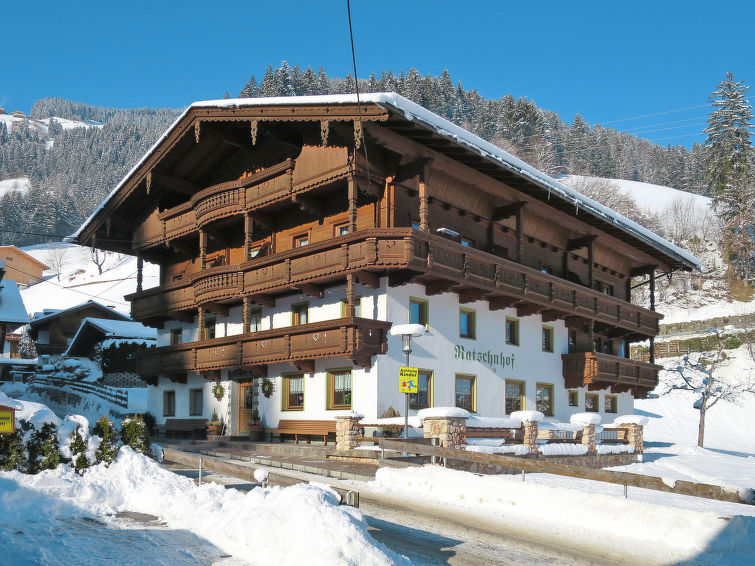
[71, 169]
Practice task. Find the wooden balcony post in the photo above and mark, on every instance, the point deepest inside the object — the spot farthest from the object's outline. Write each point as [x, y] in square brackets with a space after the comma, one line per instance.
[247, 315]
[424, 222]
[652, 289]
[350, 295]
[139, 273]
[352, 195]
[519, 235]
[202, 248]
[200, 323]
[590, 262]
[248, 230]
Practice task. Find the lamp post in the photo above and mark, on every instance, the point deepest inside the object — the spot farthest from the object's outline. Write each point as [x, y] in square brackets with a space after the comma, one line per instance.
[407, 331]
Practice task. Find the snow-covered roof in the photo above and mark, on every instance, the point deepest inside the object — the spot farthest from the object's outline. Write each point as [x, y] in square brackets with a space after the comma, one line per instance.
[98, 328]
[22, 253]
[420, 115]
[89, 303]
[12, 309]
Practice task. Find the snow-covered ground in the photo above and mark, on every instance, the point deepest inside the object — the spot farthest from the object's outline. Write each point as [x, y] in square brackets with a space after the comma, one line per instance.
[79, 280]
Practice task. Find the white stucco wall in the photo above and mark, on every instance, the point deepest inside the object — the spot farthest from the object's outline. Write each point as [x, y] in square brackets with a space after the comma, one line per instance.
[376, 388]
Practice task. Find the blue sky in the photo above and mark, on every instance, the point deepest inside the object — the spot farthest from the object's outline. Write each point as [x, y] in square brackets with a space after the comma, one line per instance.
[606, 60]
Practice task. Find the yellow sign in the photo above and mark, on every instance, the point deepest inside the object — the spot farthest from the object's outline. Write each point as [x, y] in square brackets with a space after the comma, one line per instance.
[7, 420]
[408, 380]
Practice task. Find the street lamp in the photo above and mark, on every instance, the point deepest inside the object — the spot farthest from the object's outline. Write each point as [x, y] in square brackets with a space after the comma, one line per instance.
[407, 331]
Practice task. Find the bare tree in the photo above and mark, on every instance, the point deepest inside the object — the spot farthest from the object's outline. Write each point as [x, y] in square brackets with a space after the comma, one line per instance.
[98, 258]
[699, 374]
[55, 258]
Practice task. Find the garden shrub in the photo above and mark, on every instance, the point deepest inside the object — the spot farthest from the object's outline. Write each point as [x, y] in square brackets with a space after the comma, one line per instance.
[12, 451]
[108, 450]
[78, 450]
[134, 433]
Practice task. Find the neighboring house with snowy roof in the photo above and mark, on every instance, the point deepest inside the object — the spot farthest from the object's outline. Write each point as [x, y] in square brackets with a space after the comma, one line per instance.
[54, 331]
[94, 331]
[21, 267]
[12, 311]
[291, 233]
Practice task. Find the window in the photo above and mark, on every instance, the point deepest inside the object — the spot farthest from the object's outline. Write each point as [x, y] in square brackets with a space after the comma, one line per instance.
[573, 398]
[294, 395]
[512, 331]
[341, 229]
[572, 340]
[592, 404]
[465, 392]
[547, 339]
[176, 336]
[611, 404]
[544, 399]
[196, 402]
[514, 396]
[339, 389]
[423, 398]
[255, 251]
[255, 320]
[299, 314]
[466, 323]
[301, 240]
[467, 242]
[357, 307]
[418, 311]
[169, 403]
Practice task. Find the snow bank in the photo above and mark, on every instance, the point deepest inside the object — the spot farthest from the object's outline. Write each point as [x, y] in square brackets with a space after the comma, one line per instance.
[584, 419]
[631, 419]
[615, 449]
[256, 527]
[493, 422]
[528, 416]
[454, 412]
[486, 441]
[562, 449]
[638, 529]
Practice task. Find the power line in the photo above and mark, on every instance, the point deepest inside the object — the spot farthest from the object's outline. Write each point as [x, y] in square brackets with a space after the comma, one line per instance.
[630, 130]
[653, 114]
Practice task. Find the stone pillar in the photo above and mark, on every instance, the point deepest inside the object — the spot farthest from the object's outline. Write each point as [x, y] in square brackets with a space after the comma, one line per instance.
[529, 436]
[634, 437]
[347, 430]
[452, 431]
[588, 438]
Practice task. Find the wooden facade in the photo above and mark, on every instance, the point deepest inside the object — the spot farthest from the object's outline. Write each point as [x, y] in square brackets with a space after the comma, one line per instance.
[242, 204]
[21, 267]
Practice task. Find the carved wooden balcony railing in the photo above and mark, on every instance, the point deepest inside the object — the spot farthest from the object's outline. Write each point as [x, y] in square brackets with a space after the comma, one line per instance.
[314, 167]
[599, 371]
[439, 263]
[356, 339]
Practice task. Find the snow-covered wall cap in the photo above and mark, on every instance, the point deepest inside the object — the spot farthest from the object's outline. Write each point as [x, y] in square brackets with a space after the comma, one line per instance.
[414, 112]
[351, 415]
[585, 419]
[448, 412]
[528, 416]
[631, 419]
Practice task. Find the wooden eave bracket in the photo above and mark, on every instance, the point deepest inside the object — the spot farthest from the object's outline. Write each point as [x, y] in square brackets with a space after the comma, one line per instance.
[642, 270]
[507, 210]
[580, 242]
[312, 290]
[308, 204]
[500, 303]
[263, 300]
[215, 308]
[368, 279]
[307, 366]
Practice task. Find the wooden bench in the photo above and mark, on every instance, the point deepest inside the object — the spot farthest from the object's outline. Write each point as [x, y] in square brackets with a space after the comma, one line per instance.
[299, 428]
[187, 427]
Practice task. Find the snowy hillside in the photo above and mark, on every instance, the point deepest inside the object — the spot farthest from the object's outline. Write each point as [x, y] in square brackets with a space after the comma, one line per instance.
[79, 280]
[689, 221]
[43, 125]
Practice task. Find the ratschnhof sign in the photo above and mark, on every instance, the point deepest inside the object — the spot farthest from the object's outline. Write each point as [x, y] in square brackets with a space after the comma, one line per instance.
[408, 380]
[7, 420]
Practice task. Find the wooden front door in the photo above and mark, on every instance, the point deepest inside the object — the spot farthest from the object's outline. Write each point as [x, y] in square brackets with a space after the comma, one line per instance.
[248, 401]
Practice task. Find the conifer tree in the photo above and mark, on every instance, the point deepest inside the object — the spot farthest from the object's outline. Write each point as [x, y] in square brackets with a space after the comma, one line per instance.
[729, 147]
[12, 451]
[78, 450]
[134, 433]
[43, 449]
[107, 450]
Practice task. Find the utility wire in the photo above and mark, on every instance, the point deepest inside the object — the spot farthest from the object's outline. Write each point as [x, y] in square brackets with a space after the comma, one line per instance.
[651, 115]
[356, 88]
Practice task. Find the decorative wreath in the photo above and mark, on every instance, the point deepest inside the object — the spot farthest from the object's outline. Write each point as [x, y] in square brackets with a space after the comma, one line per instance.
[267, 388]
[218, 391]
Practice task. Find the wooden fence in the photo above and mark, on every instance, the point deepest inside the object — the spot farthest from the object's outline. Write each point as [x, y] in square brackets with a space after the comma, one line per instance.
[541, 466]
[105, 392]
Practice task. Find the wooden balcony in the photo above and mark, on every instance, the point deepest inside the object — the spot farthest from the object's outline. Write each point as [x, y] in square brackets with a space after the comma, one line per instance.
[356, 339]
[440, 264]
[599, 371]
[314, 167]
